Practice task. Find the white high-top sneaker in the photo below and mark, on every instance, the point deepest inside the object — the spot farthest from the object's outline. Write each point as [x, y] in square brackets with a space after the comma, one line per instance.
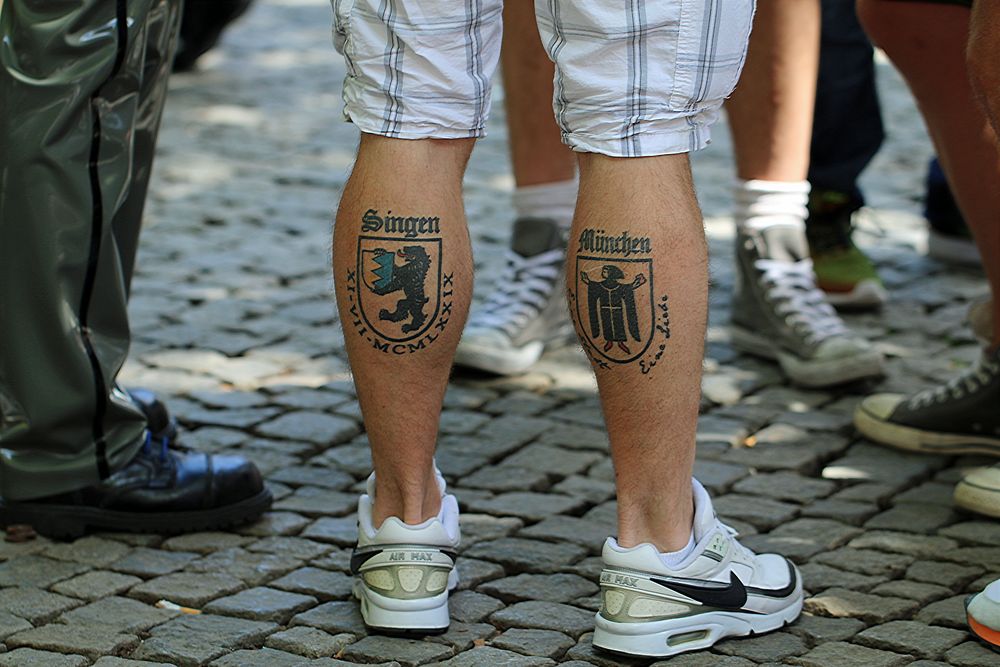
[720, 590]
[404, 573]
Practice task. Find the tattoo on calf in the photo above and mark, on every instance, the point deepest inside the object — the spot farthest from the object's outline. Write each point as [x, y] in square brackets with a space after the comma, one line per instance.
[612, 301]
[399, 298]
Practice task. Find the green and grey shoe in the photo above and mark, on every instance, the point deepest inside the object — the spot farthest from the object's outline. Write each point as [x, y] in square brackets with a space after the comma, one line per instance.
[959, 417]
[842, 270]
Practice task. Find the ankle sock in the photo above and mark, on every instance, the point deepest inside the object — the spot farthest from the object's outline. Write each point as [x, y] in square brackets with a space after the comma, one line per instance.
[674, 558]
[761, 204]
[548, 200]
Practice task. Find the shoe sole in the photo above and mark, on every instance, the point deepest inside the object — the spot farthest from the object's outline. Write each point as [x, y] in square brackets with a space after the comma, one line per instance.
[500, 362]
[826, 373]
[951, 250]
[866, 294]
[72, 521]
[917, 440]
[393, 616]
[978, 499]
[662, 639]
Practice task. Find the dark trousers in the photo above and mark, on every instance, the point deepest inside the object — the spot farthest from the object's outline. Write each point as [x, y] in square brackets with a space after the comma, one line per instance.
[82, 84]
[847, 126]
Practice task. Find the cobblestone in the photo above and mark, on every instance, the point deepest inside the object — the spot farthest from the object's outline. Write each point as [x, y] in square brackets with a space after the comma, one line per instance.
[29, 657]
[407, 652]
[841, 654]
[309, 642]
[545, 643]
[91, 641]
[910, 637]
[95, 585]
[262, 604]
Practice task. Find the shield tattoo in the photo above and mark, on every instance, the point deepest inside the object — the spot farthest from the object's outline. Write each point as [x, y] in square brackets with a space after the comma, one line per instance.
[400, 291]
[614, 306]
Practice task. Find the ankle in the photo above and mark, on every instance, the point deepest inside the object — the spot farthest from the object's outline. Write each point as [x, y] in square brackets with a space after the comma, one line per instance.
[668, 531]
[412, 502]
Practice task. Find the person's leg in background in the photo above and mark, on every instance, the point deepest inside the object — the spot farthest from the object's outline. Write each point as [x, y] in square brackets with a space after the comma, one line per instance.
[950, 63]
[928, 43]
[778, 311]
[637, 283]
[524, 312]
[846, 134]
[402, 267]
[78, 125]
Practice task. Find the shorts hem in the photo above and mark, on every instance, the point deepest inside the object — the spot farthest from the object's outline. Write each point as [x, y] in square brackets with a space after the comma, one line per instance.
[648, 145]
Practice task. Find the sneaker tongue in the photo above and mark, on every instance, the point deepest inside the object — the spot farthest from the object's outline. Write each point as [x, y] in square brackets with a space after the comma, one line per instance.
[782, 242]
[533, 236]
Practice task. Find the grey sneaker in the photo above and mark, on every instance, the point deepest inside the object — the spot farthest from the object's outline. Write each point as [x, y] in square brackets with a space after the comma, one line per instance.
[779, 313]
[527, 310]
[958, 417]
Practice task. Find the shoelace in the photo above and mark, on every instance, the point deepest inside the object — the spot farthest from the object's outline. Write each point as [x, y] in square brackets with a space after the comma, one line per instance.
[147, 446]
[791, 286]
[733, 533]
[969, 382]
[516, 300]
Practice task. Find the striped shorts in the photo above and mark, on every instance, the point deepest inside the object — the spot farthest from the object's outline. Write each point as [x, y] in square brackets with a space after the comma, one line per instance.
[632, 79]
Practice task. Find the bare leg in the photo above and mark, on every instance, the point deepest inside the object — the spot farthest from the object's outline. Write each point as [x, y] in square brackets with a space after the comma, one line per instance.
[401, 383]
[651, 416]
[927, 43]
[770, 113]
[536, 147]
[984, 70]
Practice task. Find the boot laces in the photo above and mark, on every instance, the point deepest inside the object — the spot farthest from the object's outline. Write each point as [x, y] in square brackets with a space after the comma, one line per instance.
[523, 294]
[791, 287]
[971, 381]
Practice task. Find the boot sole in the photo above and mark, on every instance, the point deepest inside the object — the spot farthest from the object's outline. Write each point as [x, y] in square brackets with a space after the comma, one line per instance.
[72, 521]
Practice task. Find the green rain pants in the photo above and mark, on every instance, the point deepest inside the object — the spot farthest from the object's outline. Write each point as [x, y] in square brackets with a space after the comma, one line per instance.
[82, 84]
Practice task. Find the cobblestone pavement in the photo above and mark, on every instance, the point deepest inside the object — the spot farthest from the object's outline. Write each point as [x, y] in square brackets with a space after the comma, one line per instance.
[234, 324]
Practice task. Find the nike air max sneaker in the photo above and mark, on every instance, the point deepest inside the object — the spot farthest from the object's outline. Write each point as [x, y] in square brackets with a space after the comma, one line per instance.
[959, 417]
[983, 613]
[779, 313]
[527, 311]
[843, 271]
[720, 590]
[404, 573]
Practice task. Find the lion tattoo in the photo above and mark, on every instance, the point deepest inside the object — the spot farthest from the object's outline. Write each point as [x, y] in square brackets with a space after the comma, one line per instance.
[408, 278]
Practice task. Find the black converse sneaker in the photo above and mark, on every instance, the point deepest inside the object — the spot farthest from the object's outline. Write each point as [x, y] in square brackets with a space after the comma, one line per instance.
[959, 417]
[526, 311]
[722, 589]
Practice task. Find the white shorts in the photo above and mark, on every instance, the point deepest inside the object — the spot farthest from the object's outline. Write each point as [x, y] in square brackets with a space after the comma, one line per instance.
[633, 79]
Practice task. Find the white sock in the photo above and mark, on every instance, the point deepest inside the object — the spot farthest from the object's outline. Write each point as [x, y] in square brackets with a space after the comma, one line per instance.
[674, 558]
[549, 200]
[760, 204]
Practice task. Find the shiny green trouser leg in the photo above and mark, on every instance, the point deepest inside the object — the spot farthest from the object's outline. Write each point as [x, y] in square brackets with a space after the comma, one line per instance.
[82, 84]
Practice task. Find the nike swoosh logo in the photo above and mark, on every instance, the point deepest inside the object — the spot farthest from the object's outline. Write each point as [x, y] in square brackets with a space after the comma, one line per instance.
[728, 597]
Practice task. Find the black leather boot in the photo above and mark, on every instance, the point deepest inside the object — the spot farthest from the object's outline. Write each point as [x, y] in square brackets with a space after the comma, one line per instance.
[159, 491]
[159, 421]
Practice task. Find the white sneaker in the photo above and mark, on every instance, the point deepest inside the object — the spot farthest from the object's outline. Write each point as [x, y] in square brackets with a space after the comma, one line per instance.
[979, 491]
[526, 310]
[983, 613]
[720, 590]
[403, 573]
